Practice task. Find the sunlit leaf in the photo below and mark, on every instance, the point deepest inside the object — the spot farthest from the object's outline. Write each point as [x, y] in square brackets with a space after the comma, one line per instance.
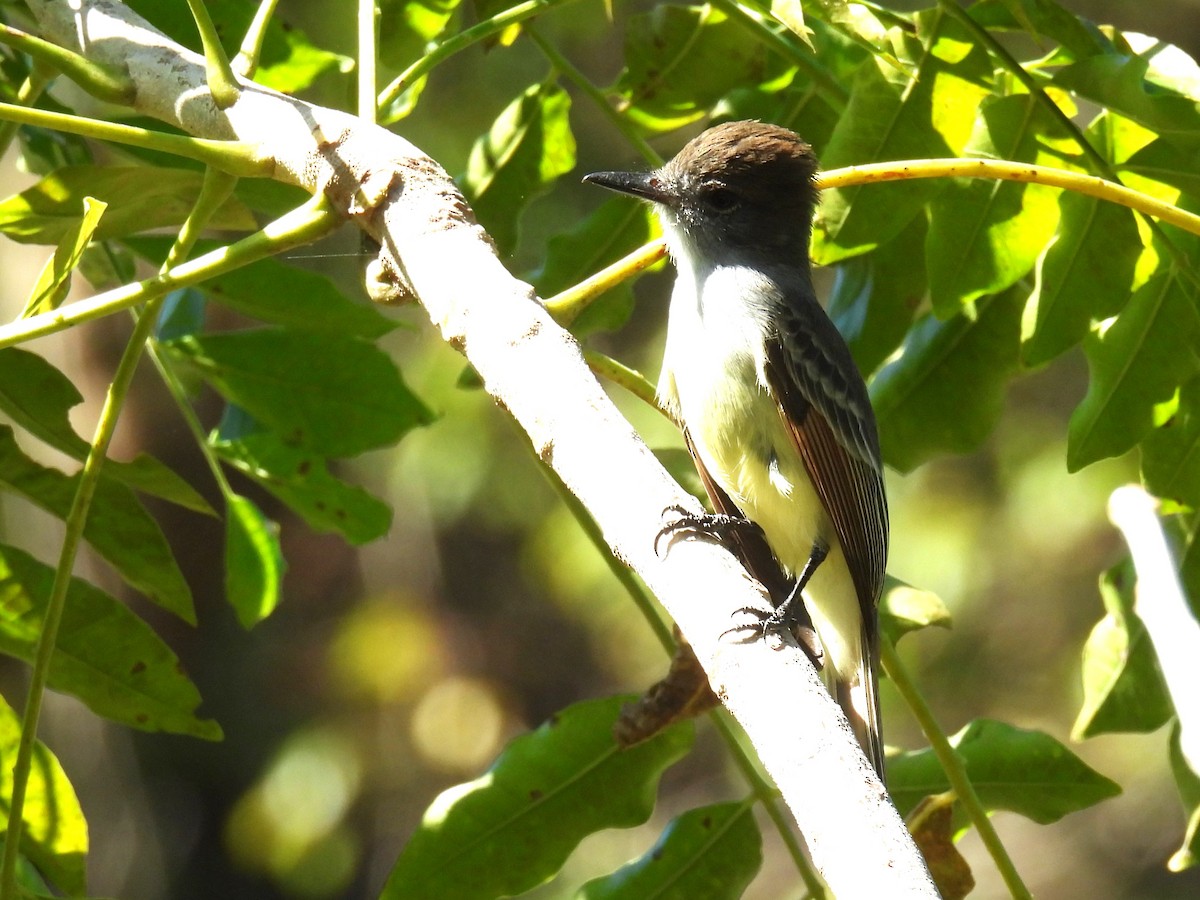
[1120, 82]
[118, 527]
[512, 828]
[711, 852]
[1026, 772]
[289, 61]
[407, 27]
[984, 235]
[528, 146]
[1085, 275]
[105, 655]
[923, 111]
[945, 391]
[1136, 362]
[333, 395]
[139, 198]
[1123, 688]
[55, 836]
[254, 563]
[904, 608]
[54, 283]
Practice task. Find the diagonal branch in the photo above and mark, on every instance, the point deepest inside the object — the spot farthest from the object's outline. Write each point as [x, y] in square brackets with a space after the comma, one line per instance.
[433, 250]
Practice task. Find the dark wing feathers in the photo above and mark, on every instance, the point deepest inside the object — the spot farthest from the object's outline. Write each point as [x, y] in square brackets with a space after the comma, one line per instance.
[826, 406]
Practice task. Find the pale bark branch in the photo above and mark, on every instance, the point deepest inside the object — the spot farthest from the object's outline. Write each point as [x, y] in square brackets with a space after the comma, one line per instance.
[536, 371]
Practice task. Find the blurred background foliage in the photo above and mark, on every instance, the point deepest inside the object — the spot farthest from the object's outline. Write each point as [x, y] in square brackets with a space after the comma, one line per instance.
[395, 669]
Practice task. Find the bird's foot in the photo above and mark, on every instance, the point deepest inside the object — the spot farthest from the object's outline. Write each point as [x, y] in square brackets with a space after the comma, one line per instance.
[789, 618]
[715, 526]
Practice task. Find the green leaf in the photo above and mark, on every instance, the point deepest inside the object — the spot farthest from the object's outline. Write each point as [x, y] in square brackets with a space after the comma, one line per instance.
[54, 283]
[876, 295]
[680, 60]
[922, 111]
[254, 563]
[1026, 772]
[614, 230]
[1122, 82]
[329, 394]
[139, 198]
[1188, 781]
[1085, 275]
[712, 852]
[55, 834]
[1043, 18]
[513, 828]
[1162, 163]
[38, 397]
[1171, 453]
[105, 655]
[1123, 689]
[301, 480]
[985, 235]
[118, 527]
[946, 390]
[275, 292]
[408, 27]
[1136, 362]
[528, 147]
[289, 61]
[904, 608]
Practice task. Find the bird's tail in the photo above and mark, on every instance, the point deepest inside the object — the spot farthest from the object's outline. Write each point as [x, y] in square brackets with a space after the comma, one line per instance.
[857, 693]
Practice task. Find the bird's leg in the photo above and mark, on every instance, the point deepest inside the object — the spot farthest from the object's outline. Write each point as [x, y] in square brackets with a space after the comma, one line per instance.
[791, 615]
[717, 526]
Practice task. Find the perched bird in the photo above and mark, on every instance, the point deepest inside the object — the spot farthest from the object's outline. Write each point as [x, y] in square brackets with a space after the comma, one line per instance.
[775, 413]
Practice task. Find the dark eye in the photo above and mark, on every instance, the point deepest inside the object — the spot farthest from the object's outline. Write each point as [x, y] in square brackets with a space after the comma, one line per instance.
[720, 199]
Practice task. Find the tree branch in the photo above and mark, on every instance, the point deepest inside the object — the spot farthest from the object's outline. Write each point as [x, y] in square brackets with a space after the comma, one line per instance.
[434, 251]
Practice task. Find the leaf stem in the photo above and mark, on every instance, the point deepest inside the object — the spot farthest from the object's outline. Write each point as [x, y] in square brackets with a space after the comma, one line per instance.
[967, 167]
[235, 157]
[954, 767]
[246, 61]
[222, 83]
[97, 80]
[31, 88]
[461, 41]
[618, 373]
[300, 226]
[567, 305]
[368, 53]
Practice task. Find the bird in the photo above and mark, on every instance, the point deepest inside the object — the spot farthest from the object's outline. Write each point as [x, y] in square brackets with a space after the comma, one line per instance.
[774, 411]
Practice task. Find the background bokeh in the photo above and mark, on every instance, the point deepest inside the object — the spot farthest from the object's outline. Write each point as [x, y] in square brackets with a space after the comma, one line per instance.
[394, 671]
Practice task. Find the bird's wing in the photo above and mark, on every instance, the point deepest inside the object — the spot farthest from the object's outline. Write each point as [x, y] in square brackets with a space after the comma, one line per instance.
[825, 405]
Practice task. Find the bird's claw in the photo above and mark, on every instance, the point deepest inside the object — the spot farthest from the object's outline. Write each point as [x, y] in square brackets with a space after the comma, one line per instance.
[717, 526]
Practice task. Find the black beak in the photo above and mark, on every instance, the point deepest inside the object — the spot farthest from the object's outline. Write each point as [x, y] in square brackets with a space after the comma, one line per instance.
[647, 185]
